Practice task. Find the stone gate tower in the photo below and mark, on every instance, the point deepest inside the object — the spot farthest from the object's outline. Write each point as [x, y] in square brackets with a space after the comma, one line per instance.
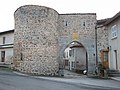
[35, 43]
[42, 34]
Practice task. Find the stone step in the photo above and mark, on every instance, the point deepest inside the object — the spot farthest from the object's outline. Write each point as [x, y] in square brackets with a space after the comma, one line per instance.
[113, 73]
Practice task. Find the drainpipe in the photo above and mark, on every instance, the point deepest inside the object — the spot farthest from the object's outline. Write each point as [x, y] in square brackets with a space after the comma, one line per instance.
[96, 45]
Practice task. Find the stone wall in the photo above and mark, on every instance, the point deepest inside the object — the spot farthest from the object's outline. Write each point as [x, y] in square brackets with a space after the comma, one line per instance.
[41, 36]
[83, 26]
[35, 42]
[102, 40]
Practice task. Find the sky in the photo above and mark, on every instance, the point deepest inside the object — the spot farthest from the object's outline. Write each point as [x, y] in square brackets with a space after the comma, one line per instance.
[103, 8]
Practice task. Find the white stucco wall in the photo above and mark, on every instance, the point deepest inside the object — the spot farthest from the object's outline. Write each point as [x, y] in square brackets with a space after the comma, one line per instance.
[8, 55]
[114, 44]
[67, 52]
[9, 38]
[79, 58]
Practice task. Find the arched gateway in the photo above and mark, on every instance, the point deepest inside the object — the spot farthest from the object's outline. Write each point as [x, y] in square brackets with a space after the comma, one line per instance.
[42, 34]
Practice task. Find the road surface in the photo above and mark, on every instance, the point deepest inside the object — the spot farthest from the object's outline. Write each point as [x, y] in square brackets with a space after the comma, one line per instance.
[12, 81]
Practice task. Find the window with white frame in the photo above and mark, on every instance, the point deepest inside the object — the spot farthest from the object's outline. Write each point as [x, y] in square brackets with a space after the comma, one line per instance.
[4, 40]
[114, 31]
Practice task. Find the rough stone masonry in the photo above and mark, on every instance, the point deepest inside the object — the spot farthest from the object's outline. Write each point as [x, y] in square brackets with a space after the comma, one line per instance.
[41, 35]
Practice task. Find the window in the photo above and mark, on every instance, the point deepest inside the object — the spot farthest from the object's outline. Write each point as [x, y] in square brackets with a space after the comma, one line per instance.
[105, 56]
[67, 54]
[66, 62]
[73, 64]
[114, 31]
[73, 52]
[83, 23]
[70, 53]
[66, 23]
[2, 56]
[3, 40]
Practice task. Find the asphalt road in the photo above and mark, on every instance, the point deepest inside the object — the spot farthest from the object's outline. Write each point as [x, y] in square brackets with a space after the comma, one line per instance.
[12, 81]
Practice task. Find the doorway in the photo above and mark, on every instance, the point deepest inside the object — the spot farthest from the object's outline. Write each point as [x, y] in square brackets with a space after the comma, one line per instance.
[115, 53]
[2, 56]
[75, 57]
[104, 58]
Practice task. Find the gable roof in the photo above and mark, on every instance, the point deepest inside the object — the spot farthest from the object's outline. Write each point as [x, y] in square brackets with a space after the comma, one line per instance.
[5, 32]
[102, 21]
[113, 18]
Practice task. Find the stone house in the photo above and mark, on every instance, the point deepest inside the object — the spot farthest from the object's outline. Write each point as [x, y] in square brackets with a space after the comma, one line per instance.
[6, 46]
[102, 42]
[113, 28]
[66, 58]
[108, 43]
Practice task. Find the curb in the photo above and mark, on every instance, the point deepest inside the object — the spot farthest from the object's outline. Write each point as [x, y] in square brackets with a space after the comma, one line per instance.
[116, 78]
[21, 74]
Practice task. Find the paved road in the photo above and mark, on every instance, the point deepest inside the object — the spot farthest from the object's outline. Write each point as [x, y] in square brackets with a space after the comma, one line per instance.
[12, 81]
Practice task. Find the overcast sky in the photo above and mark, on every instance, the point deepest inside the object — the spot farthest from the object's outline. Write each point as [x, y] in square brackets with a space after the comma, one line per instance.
[103, 8]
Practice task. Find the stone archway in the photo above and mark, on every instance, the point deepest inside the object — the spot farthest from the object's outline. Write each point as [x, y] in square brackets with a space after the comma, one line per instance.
[41, 35]
[64, 41]
[75, 57]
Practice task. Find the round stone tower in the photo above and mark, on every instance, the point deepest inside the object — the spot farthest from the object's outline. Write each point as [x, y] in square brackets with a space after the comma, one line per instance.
[35, 40]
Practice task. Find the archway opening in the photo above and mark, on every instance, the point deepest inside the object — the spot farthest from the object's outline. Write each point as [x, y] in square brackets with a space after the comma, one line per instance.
[75, 57]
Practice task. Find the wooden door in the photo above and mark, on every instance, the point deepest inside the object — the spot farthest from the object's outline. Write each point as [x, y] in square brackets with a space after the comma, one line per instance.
[104, 58]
